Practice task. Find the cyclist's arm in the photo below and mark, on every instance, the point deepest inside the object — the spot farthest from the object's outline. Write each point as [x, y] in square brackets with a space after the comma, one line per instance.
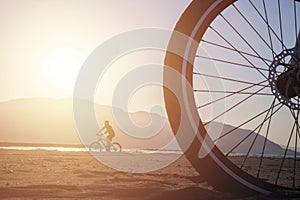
[102, 129]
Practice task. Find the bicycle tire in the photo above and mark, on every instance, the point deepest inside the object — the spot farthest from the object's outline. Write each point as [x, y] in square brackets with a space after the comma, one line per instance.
[116, 147]
[95, 147]
[217, 169]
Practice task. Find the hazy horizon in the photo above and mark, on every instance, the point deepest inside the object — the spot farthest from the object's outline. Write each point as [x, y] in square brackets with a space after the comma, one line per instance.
[50, 121]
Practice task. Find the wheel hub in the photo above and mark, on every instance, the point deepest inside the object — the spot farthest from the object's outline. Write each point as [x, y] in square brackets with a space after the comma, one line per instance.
[284, 77]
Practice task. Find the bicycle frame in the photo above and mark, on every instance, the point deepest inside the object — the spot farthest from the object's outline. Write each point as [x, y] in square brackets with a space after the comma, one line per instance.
[101, 138]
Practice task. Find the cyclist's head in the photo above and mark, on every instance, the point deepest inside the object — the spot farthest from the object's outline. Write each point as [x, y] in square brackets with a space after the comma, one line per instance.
[106, 122]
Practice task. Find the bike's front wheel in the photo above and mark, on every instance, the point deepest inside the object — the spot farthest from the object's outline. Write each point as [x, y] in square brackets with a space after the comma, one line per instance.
[95, 147]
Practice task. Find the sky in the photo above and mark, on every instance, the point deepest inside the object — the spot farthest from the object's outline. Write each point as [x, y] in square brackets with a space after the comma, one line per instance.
[44, 42]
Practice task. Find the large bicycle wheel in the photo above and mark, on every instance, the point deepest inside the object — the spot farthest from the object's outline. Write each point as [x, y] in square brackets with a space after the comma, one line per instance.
[115, 147]
[245, 75]
[95, 147]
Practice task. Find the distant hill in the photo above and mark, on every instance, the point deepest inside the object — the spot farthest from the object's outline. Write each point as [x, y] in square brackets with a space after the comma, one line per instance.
[39, 120]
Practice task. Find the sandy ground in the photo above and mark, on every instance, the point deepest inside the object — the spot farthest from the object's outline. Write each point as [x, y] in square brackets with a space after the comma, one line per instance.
[270, 168]
[77, 175]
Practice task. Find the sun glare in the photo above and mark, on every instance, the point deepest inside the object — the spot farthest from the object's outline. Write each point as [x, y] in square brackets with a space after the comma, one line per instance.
[62, 66]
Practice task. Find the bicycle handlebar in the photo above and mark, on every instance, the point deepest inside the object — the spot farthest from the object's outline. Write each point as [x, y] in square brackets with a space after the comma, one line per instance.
[100, 133]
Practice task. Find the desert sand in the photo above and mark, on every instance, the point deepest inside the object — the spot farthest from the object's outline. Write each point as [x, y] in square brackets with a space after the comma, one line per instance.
[43, 174]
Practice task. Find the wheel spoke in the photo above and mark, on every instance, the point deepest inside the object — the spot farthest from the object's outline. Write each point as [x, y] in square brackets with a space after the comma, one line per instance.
[295, 154]
[232, 92]
[243, 38]
[234, 106]
[232, 63]
[268, 24]
[280, 24]
[246, 122]
[239, 51]
[254, 140]
[265, 141]
[253, 66]
[247, 136]
[269, 27]
[230, 95]
[227, 79]
[295, 118]
[254, 29]
[296, 21]
[284, 156]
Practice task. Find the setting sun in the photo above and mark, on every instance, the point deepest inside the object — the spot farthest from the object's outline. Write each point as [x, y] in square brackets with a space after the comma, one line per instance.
[61, 66]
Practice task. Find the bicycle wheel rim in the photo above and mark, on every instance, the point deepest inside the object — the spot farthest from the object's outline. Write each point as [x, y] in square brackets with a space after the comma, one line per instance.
[216, 167]
[95, 147]
[116, 147]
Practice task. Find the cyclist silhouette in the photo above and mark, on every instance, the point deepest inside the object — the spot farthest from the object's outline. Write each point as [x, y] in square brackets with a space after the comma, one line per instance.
[108, 130]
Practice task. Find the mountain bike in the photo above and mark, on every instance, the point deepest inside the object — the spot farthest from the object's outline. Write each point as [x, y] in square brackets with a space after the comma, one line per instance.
[241, 59]
[103, 144]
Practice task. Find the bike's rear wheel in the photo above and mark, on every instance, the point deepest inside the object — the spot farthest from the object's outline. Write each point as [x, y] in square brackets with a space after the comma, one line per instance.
[202, 22]
[115, 147]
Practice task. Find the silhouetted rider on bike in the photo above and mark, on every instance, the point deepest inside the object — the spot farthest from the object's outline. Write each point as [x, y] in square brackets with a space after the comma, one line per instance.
[108, 130]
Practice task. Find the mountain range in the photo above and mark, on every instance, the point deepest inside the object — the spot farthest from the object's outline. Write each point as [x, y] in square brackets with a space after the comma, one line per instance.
[51, 121]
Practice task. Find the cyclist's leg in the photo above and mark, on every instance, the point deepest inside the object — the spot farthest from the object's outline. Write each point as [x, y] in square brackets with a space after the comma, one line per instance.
[108, 144]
